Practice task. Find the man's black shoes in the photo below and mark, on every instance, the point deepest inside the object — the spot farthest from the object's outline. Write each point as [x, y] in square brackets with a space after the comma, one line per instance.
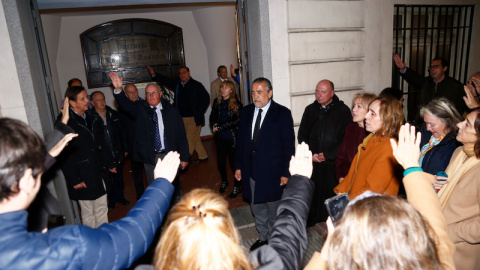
[124, 201]
[235, 192]
[223, 187]
[111, 205]
[200, 160]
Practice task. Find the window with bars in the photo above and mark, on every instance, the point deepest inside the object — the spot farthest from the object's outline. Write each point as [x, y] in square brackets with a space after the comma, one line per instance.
[424, 32]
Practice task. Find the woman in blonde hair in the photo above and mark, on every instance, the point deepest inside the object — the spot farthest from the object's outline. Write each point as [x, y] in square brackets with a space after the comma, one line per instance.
[199, 229]
[200, 234]
[224, 123]
[354, 134]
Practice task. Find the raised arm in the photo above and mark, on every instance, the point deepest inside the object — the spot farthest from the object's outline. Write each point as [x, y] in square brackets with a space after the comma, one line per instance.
[131, 108]
[117, 81]
[420, 193]
[131, 236]
[471, 101]
[172, 84]
[399, 63]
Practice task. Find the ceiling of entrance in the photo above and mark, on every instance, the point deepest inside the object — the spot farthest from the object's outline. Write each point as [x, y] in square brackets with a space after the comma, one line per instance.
[79, 4]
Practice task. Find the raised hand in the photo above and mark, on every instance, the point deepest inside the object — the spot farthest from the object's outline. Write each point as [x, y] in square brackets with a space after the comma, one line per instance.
[65, 111]
[476, 83]
[117, 82]
[399, 63]
[407, 151]
[301, 163]
[168, 167]
[58, 148]
[470, 100]
[150, 70]
[232, 71]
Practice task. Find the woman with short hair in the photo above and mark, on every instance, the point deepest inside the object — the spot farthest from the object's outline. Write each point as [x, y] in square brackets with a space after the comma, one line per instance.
[354, 134]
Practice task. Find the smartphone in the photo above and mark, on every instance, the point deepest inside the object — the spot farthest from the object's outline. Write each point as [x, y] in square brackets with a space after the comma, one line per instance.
[441, 173]
[335, 205]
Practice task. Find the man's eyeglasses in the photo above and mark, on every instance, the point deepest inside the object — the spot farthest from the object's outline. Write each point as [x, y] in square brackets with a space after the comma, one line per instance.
[152, 93]
[435, 66]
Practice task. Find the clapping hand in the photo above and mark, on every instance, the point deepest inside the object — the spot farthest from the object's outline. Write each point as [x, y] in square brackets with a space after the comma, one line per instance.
[407, 151]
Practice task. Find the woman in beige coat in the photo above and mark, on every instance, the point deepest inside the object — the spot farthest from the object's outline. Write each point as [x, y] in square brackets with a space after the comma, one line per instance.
[460, 195]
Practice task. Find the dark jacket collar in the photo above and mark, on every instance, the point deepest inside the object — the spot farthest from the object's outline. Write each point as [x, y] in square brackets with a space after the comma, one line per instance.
[335, 101]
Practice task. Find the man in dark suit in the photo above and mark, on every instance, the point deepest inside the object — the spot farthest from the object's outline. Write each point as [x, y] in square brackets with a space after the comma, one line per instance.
[266, 142]
[128, 121]
[192, 100]
[158, 128]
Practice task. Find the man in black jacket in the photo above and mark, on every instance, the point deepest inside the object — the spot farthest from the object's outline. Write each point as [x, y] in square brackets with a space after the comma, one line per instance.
[192, 100]
[158, 128]
[85, 160]
[322, 127]
[438, 84]
[114, 136]
[128, 121]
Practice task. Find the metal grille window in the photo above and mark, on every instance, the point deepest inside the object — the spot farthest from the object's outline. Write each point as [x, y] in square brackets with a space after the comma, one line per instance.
[424, 32]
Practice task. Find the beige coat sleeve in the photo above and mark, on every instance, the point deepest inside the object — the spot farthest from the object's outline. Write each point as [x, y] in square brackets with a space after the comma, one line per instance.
[423, 198]
[468, 229]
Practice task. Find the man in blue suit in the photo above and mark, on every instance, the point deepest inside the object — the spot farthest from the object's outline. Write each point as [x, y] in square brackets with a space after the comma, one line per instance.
[266, 142]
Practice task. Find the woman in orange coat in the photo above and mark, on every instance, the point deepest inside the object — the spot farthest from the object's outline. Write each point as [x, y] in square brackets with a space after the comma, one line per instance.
[374, 167]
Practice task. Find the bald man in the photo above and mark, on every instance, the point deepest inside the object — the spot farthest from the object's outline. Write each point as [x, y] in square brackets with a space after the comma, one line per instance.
[322, 127]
